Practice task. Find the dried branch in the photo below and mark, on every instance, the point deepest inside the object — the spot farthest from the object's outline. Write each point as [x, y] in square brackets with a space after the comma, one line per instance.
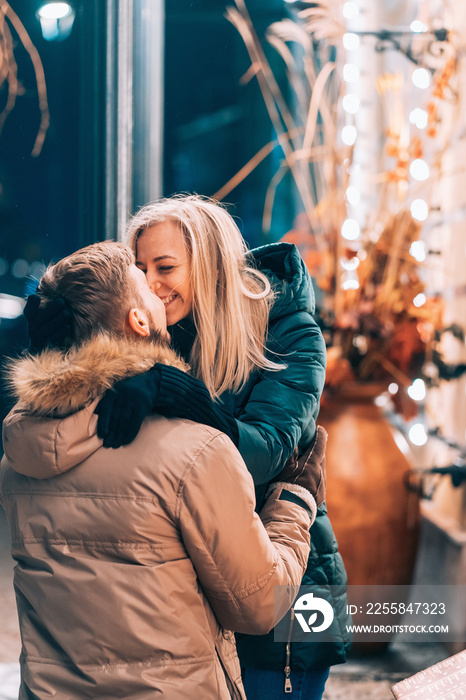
[293, 144]
[9, 71]
[245, 171]
[324, 20]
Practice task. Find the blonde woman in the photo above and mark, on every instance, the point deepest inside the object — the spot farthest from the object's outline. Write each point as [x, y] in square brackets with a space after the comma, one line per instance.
[244, 322]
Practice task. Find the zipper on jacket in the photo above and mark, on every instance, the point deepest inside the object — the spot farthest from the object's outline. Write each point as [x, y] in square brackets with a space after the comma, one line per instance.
[287, 669]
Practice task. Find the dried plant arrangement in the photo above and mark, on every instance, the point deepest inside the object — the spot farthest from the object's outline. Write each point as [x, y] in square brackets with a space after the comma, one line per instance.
[380, 323]
[10, 84]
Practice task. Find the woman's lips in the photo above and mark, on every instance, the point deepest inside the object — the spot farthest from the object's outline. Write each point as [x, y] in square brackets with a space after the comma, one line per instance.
[169, 299]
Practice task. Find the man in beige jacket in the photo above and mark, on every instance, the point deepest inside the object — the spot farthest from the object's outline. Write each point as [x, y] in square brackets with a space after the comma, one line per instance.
[133, 563]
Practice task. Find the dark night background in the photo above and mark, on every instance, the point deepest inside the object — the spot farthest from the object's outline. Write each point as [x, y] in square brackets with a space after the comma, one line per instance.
[53, 204]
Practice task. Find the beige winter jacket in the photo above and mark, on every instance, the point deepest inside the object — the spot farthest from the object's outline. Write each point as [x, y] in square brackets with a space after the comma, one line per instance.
[133, 563]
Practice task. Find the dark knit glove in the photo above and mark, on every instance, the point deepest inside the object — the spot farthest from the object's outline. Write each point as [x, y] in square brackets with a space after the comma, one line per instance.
[49, 324]
[184, 396]
[164, 390]
[123, 408]
[308, 470]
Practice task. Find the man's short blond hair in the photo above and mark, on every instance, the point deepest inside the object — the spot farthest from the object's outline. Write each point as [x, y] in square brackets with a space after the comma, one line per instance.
[97, 288]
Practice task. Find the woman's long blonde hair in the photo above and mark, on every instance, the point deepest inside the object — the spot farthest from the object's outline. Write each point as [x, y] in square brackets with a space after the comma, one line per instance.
[231, 300]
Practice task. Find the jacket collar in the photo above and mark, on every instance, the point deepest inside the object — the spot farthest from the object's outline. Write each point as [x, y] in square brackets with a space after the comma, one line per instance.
[288, 275]
[57, 383]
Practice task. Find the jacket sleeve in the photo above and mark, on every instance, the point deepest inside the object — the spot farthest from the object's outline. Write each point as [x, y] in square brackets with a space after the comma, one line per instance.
[283, 403]
[240, 557]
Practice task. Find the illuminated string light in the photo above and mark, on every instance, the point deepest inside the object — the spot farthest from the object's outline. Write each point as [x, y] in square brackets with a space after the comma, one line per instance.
[349, 263]
[349, 134]
[419, 300]
[418, 250]
[418, 27]
[10, 306]
[350, 284]
[54, 10]
[353, 196]
[350, 230]
[56, 20]
[393, 388]
[351, 103]
[419, 118]
[20, 268]
[417, 390]
[421, 78]
[360, 342]
[381, 401]
[417, 434]
[350, 41]
[350, 73]
[350, 10]
[419, 209]
[419, 169]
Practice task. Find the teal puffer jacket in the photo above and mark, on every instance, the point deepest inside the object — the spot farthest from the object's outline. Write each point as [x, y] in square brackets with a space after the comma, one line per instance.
[275, 412]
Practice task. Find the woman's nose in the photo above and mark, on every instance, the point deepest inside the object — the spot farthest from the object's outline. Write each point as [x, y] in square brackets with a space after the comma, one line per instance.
[154, 283]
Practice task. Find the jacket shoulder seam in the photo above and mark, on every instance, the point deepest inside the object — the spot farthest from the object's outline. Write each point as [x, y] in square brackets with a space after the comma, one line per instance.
[191, 465]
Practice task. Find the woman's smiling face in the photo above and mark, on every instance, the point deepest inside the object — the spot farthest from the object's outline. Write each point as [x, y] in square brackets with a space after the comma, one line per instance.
[162, 254]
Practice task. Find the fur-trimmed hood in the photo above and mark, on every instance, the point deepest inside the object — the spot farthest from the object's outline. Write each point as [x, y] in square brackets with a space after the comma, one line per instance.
[57, 383]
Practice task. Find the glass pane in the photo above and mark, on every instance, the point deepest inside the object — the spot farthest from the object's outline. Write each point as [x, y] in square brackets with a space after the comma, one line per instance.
[215, 123]
[39, 192]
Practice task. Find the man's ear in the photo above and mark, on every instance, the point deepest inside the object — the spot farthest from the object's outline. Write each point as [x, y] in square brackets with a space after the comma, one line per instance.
[139, 322]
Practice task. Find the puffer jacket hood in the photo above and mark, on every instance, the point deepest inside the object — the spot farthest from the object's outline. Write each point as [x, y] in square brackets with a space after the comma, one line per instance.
[66, 386]
[288, 275]
[57, 383]
[133, 563]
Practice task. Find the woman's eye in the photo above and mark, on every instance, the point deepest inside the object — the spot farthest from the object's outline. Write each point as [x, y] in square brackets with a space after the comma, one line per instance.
[166, 268]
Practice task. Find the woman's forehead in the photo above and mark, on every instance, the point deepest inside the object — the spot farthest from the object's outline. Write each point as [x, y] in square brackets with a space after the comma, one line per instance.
[163, 239]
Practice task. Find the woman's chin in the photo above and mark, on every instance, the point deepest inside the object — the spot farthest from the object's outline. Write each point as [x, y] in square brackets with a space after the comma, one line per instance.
[177, 311]
[173, 317]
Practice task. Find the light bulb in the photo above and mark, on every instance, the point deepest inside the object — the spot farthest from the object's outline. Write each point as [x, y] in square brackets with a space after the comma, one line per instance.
[418, 27]
[418, 117]
[419, 300]
[54, 10]
[421, 78]
[20, 268]
[350, 230]
[349, 134]
[419, 210]
[10, 306]
[417, 390]
[350, 73]
[350, 284]
[350, 41]
[350, 10]
[353, 196]
[418, 251]
[349, 263]
[419, 169]
[417, 434]
[351, 103]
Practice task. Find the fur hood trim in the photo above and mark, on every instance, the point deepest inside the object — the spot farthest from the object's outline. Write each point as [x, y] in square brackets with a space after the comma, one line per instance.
[57, 383]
